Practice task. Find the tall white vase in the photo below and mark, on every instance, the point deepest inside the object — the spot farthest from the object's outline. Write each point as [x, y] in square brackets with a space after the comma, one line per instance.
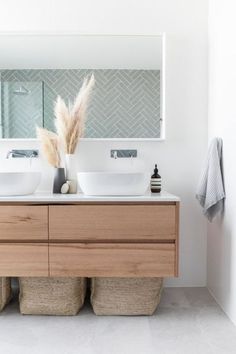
[71, 172]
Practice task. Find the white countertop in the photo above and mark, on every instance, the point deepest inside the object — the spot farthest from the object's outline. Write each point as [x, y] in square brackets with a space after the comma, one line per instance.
[73, 198]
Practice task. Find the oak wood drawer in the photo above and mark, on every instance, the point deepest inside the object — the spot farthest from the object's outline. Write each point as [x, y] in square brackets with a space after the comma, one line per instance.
[113, 260]
[25, 259]
[23, 223]
[112, 222]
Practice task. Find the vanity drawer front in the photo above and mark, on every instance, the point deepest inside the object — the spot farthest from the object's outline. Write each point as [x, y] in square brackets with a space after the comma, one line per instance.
[25, 259]
[112, 260]
[112, 222]
[23, 223]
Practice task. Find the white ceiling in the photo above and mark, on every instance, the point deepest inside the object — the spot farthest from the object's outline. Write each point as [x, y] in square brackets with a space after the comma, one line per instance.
[58, 51]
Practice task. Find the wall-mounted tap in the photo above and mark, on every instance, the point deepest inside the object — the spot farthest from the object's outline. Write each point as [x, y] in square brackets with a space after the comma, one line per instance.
[22, 154]
[114, 154]
[123, 153]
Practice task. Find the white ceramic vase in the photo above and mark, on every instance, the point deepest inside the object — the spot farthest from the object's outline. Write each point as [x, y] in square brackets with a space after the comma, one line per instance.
[71, 172]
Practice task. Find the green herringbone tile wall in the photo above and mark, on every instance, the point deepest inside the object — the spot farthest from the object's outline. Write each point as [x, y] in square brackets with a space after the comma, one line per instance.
[124, 104]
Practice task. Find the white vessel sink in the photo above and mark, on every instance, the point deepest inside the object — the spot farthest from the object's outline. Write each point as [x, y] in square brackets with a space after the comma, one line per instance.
[18, 183]
[113, 183]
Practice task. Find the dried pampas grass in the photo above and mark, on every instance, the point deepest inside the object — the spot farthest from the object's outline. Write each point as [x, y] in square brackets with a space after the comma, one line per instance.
[50, 146]
[70, 121]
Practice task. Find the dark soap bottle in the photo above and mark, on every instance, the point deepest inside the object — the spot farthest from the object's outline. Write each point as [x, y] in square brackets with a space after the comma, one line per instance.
[155, 181]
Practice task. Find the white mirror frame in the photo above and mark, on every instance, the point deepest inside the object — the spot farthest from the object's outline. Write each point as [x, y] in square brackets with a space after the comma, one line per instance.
[163, 77]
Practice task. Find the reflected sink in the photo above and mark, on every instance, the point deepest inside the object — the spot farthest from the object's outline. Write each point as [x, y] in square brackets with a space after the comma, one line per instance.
[113, 183]
[18, 183]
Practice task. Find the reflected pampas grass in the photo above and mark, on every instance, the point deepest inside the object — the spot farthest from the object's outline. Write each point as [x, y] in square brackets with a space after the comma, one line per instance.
[70, 121]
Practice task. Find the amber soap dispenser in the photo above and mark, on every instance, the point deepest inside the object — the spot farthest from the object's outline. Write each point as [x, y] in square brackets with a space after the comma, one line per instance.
[155, 181]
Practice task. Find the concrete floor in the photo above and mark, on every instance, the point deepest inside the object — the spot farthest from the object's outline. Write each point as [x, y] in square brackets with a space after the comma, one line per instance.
[187, 321]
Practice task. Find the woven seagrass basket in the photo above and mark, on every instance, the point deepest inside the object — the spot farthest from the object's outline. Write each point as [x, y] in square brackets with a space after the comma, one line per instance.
[51, 296]
[5, 292]
[125, 296]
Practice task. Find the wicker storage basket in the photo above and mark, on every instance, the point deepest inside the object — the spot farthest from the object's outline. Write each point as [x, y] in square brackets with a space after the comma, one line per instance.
[125, 296]
[5, 292]
[51, 296]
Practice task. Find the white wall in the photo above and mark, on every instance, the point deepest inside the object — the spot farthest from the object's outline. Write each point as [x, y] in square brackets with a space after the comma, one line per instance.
[180, 157]
[221, 253]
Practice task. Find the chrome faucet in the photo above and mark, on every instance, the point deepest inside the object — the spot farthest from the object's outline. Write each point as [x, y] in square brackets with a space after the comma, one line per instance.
[123, 153]
[22, 153]
[114, 154]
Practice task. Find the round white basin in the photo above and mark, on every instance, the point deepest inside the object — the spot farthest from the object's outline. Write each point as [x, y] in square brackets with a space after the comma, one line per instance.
[18, 183]
[113, 183]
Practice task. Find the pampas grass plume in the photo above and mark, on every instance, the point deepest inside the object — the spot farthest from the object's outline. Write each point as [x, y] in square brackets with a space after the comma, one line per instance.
[50, 146]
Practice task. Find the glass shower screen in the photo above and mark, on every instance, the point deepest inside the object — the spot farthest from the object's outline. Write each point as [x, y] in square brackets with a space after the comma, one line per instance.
[21, 108]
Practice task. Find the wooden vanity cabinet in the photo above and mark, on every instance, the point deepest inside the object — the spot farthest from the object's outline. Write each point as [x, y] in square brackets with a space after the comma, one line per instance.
[24, 259]
[24, 240]
[112, 223]
[23, 223]
[90, 239]
[112, 259]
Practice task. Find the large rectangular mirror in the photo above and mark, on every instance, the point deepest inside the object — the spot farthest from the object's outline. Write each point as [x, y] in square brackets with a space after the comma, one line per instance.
[128, 98]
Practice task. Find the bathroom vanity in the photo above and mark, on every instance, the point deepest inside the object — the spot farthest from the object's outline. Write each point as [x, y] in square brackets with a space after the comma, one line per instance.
[77, 235]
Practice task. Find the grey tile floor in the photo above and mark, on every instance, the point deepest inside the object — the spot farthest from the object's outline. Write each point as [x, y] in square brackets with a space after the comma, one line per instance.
[187, 321]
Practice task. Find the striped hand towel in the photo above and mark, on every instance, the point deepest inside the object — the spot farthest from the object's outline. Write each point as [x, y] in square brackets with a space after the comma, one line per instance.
[210, 192]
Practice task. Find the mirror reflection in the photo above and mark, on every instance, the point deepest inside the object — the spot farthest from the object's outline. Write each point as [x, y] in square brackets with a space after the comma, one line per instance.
[127, 98]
